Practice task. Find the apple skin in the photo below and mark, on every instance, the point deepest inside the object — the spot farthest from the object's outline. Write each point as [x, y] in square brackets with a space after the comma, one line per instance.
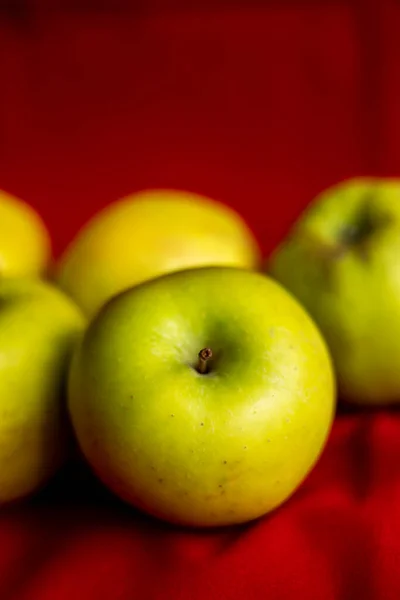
[342, 261]
[148, 234]
[38, 328]
[202, 450]
[25, 248]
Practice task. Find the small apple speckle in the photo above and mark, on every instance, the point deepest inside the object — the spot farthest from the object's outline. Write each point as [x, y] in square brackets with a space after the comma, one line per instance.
[244, 447]
[172, 415]
[161, 481]
[201, 424]
[225, 462]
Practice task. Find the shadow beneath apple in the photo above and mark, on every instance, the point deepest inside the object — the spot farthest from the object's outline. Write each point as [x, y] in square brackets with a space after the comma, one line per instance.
[345, 407]
[75, 490]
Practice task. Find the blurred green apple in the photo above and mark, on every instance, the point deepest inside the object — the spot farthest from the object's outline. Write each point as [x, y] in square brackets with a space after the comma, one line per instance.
[203, 397]
[24, 241]
[38, 328]
[342, 261]
[148, 234]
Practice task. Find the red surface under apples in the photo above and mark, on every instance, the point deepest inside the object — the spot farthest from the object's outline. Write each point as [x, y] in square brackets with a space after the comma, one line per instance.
[260, 104]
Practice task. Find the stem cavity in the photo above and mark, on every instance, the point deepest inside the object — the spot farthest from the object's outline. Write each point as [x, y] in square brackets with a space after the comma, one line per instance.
[204, 357]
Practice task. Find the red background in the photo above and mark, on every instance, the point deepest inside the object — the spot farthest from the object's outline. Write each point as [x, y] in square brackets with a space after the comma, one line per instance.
[260, 104]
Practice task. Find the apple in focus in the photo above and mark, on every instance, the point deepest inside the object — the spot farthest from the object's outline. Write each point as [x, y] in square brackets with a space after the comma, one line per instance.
[148, 234]
[342, 261]
[203, 397]
[39, 326]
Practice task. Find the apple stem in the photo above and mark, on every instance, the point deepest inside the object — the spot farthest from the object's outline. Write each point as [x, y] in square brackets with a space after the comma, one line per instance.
[204, 357]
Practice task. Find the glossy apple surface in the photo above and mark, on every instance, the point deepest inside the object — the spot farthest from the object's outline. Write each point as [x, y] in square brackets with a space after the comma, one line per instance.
[148, 234]
[24, 240]
[38, 328]
[342, 261]
[209, 441]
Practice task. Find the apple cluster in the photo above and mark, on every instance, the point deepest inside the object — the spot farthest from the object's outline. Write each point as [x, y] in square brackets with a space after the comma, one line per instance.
[200, 383]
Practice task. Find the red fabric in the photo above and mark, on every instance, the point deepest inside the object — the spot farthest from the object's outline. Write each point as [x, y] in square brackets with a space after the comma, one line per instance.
[260, 104]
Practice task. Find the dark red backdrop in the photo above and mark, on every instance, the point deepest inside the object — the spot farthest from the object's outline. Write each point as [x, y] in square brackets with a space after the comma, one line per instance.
[260, 104]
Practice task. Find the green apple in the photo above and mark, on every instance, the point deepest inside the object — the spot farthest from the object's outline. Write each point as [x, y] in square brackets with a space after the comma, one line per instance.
[38, 328]
[203, 397]
[25, 248]
[342, 261]
[149, 234]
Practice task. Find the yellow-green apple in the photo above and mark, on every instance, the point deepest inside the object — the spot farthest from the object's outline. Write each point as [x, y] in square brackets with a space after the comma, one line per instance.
[38, 327]
[148, 234]
[24, 240]
[203, 397]
[342, 261]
